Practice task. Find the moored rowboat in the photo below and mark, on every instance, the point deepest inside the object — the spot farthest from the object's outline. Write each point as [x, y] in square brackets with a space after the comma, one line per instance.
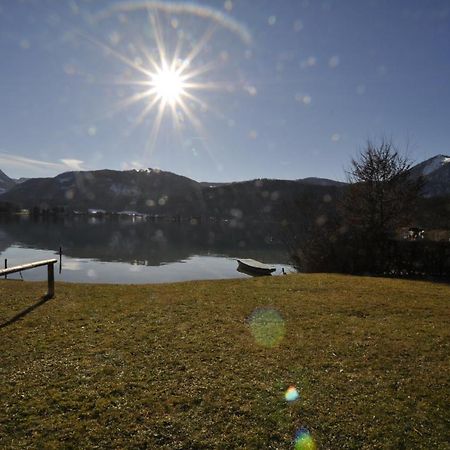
[253, 267]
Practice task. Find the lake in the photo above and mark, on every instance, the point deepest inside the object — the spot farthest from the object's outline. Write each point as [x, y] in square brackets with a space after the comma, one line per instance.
[135, 250]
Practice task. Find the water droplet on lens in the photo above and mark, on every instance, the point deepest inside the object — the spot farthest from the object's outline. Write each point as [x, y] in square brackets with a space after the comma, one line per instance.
[334, 61]
[91, 273]
[382, 70]
[298, 26]
[321, 220]
[251, 90]
[360, 89]
[114, 38]
[228, 5]
[311, 61]
[267, 327]
[25, 44]
[237, 213]
[69, 69]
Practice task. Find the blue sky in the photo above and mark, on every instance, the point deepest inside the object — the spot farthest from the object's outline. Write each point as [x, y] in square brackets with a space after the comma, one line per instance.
[290, 89]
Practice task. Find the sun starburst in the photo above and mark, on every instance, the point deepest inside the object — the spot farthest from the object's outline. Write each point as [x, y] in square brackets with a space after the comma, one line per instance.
[169, 85]
[166, 83]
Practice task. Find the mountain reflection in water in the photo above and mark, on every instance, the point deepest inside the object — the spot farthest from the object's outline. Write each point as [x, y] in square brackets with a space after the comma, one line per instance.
[149, 251]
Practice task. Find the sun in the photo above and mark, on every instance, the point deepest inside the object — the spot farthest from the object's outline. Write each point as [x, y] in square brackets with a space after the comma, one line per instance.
[168, 70]
[166, 82]
[169, 85]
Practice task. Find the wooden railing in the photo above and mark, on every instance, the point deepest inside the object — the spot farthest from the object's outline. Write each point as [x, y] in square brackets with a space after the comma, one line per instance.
[50, 272]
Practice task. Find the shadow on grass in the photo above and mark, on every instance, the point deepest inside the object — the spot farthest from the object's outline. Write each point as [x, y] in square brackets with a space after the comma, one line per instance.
[23, 313]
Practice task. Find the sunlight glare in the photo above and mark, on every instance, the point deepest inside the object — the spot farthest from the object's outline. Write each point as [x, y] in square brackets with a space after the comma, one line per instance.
[168, 85]
[165, 83]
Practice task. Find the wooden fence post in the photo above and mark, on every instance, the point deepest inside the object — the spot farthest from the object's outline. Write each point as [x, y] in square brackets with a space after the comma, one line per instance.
[51, 280]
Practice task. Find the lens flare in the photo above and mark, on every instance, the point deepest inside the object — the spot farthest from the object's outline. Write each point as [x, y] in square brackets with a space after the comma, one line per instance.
[267, 327]
[304, 440]
[170, 7]
[291, 394]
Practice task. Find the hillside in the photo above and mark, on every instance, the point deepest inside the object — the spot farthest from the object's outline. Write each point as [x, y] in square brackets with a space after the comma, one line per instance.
[436, 175]
[146, 191]
[264, 198]
[165, 193]
[6, 183]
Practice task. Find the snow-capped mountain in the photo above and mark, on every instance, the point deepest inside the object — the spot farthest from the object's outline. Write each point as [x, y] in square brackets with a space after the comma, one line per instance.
[432, 164]
[436, 174]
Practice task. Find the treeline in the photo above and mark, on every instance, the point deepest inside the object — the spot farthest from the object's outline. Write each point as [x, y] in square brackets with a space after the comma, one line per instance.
[350, 253]
[358, 233]
[8, 208]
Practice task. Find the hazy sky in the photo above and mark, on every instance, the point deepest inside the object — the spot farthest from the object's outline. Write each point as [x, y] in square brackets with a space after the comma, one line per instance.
[277, 89]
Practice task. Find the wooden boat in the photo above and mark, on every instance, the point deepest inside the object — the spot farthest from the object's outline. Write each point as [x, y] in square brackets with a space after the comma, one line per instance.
[255, 268]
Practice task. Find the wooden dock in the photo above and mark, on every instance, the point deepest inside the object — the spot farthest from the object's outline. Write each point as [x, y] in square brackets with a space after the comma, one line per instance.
[50, 263]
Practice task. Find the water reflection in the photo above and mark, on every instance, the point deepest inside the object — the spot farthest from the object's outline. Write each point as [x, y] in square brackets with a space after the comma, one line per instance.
[92, 248]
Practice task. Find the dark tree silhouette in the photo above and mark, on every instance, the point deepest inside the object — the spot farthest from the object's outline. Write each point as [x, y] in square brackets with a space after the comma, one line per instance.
[381, 197]
[358, 232]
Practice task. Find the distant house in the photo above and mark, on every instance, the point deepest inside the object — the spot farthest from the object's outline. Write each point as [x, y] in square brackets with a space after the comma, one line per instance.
[95, 212]
[415, 233]
[129, 213]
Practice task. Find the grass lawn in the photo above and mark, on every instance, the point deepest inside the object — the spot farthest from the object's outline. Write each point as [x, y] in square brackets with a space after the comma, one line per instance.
[202, 365]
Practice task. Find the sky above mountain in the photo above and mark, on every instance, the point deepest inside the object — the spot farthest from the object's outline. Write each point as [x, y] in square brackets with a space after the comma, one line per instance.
[220, 90]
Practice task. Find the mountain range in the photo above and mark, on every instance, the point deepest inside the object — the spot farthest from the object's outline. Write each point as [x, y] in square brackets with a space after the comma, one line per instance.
[164, 193]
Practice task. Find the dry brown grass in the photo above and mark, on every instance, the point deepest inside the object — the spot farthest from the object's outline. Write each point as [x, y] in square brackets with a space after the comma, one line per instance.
[177, 366]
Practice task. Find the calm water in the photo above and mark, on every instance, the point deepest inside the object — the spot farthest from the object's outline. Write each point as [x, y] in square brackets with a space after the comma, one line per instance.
[137, 251]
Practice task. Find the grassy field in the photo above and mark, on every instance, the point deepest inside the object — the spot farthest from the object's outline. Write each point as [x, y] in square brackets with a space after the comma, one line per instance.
[202, 365]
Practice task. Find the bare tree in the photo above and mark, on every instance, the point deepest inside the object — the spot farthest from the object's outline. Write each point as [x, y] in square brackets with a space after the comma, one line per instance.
[381, 197]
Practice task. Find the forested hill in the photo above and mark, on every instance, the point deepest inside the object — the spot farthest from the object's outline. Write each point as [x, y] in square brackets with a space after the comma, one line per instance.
[165, 193]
